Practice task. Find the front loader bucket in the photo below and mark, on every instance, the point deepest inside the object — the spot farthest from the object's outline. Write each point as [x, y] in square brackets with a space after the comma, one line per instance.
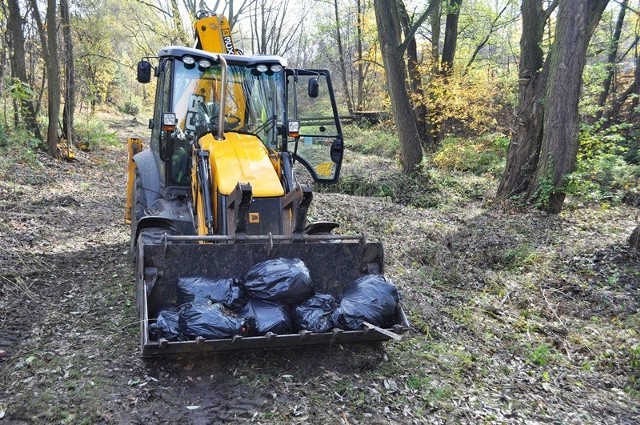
[333, 262]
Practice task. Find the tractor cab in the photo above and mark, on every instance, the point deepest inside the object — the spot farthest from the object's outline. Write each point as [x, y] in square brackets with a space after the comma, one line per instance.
[200, 93]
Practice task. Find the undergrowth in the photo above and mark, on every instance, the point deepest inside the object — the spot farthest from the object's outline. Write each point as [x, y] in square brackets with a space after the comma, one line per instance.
[93, 134]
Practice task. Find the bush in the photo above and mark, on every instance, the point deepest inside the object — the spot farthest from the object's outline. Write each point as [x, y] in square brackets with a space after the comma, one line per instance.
[132, 106]
[92, 134]
[480, 156]
[602, 173]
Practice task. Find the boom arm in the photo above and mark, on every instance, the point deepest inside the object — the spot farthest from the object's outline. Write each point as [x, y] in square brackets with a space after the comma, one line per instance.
[213, 34]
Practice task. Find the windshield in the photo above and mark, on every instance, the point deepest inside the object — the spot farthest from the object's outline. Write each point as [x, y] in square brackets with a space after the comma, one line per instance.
[254, 104]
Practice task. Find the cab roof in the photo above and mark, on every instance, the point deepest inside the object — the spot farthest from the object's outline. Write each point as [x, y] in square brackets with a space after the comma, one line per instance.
[242, 60]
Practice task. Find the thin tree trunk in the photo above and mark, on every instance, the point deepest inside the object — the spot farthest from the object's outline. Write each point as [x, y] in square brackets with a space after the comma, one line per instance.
[415, 79]
[436, 23]
[611, 62]
[388, 22]
[69, 76]
[343, 68]
[484, 41]
[360, 65]
[177, 23]
[18, 66]
[49, 42]
[634, 88]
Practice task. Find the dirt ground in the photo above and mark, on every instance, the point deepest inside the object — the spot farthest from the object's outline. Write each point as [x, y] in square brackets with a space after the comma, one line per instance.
[518, 317]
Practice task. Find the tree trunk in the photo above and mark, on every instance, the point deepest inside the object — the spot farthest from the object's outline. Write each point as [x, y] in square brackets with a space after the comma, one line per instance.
[415, 79]
[577, 20]
[360, 65]
[388, 22]
[524, 149]
[343, 68]
[634, 88]
[18, 66]
[177, 24]
[450, 35]
[611, 61]
[69, 76]
[49, 42]
[436, 22]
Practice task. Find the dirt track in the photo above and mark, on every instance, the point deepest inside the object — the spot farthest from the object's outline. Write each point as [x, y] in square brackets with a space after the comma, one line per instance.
[519, 317]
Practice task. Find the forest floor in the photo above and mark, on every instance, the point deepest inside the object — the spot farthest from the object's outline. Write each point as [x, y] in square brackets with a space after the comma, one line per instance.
[518, 317]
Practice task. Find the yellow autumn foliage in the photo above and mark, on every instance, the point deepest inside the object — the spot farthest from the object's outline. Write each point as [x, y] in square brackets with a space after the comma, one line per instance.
[463, 104]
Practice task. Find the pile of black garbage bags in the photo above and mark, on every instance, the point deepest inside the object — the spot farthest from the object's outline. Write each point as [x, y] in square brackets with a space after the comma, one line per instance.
[275, 296]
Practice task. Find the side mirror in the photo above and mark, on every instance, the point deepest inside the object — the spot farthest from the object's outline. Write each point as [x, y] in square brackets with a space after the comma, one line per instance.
[313, 87]
[144, 72]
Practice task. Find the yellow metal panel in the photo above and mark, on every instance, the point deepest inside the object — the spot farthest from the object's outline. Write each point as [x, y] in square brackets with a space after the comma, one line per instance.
[242, 158]
[134, 145]
[214, 34]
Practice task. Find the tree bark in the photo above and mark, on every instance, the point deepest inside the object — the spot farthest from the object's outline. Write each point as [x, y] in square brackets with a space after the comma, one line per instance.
[524, 148]
[69, 76]
[388, 22]
[49, 42]
[577, 20]
[177, 24]
[415, 79]
[15, 32]
[634, 88]
[343, 68]
[450, 35]
[436, 22]
[611, 62]
[360, 64]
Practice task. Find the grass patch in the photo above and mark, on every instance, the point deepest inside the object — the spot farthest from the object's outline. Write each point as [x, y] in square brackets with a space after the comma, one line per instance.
[485, 154]
[371, 141]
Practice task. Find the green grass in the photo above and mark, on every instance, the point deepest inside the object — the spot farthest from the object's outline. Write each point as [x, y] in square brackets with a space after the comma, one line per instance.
[371, 141]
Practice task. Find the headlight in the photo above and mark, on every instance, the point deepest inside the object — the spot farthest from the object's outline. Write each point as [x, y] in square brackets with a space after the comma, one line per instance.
[262, 68]
[276, 68]
[169, 119]
[203, 63]
[188, 60]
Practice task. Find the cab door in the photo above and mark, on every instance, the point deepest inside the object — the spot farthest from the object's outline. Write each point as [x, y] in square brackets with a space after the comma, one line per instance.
[311, 102]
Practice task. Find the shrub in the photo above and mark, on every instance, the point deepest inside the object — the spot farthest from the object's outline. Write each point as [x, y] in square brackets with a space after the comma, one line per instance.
[602, 173]
[482, 155]
[132, 106]
[92, 134]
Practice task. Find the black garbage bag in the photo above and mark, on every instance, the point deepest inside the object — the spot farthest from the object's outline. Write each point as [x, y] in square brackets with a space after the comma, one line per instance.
[210, 321]
[264, 316]
[166, 325]
[370, 298]
[315, 314]
[282, 280]
[226, 291]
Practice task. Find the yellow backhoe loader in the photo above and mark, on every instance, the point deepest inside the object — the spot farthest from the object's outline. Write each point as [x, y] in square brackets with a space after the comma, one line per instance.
[216, 193]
